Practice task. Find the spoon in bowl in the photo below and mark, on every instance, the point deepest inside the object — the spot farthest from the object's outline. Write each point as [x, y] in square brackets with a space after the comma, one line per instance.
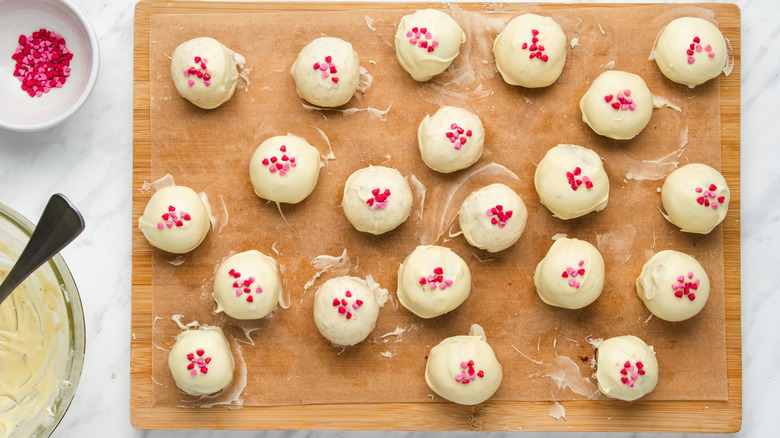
[59, 224]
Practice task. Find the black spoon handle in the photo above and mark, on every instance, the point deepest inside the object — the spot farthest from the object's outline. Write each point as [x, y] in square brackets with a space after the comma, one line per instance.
[59, 224]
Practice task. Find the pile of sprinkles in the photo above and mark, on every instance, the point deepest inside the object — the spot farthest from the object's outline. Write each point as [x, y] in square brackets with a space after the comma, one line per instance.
[42, 62]
[631, 373]
[344, 306]
[685, 288]
[500, 217]
[622, 102]
[572, 273]
[457, 135]
[379, 201]
[328, 69]
[420, 37]
[436, 280]
[281, 164]
[171, 218]
[244, 287]
[708, 197]
[695, 46]
[198, 71]
[468, 375]
[575, 182]
[200, 362]
[536, 49]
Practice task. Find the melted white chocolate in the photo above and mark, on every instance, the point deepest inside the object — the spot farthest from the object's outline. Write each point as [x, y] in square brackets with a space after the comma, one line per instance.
[621, 123]
[688, 65]
[175, 219]
[379, 212]
[613, 356]
[673, 286]
[221, 69]
[34, 348]
[518, 64]
[458, 359]
[432, 281]
[571, 275]
[326, 72]
[689, 201]
[284, 168]
[450, 140]
[425, 54]
[488, 231]
[247, 286]
[553, 180]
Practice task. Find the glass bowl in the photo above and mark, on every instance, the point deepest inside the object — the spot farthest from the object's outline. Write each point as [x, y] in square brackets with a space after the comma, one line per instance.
[55, 279]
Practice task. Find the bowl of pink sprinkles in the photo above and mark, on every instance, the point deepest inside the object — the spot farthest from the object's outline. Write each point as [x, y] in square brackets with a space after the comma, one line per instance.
[49, 59]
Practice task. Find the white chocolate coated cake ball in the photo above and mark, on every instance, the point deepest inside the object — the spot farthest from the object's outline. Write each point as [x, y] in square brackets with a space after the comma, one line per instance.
[450, 140]
[345, 310]
[201, 361]
[427, 42]
[326, 72]
[690, 51]
[376, 199]
[695, 198]
[464, 369]
[626, 368]
[673, 286]
[205, 72]
[432, 281]
[493, 217]
[617, 105]
[530, 51]
[571, 275]
[247, 285]
[571, 181]
[175, 219]
[284, 168]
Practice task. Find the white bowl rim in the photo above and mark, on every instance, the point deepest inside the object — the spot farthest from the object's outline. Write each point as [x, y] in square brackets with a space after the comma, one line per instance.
[93, 73]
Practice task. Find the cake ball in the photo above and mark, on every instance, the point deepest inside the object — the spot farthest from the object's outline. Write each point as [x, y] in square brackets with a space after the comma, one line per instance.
[427, 42]
[571, 181]
[432, 281]
[673, 286]
[345, 310]
[376, 199]
[530, 51]
[690, 51]
[696, 198]
[451, 140]
[327, 72]
[493, 217]
[617, 105]
[201, 361]
[205, 72]
[571, 275]
[247, 285]
[175, 219]
[284, 168]
[464, 369]
[626, 368]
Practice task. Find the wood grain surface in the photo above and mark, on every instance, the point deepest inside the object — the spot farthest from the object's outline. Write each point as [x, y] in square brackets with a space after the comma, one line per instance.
[582, 415]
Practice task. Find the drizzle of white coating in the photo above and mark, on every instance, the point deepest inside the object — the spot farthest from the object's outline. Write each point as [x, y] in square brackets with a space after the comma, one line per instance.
[369, 22]
[177, 319]
[326, 263]
[418, 190]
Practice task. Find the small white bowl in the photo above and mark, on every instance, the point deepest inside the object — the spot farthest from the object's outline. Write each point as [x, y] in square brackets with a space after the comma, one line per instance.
[19, 111]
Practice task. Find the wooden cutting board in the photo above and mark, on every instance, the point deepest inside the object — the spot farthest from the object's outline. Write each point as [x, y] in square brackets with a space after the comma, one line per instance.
[602, 415]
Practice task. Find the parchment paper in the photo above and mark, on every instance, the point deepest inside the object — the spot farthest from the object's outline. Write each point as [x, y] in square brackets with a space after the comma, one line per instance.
[282, 359]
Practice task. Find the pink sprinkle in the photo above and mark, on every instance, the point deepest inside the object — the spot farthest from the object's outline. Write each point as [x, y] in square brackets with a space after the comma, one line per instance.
[325, 74]
[691, 60]
[409, 34]
[630, 383]
[632, 106]
[572, 283]
[190, 82]
[193, 373]
[434, 43]
[428, 36]
[711, 55]
[160, 225]
[582, 262]
[698, 189]
[448, 282]
[714, 205]
[207, 83]
[463, 364]
[708, 48]
[238, 292]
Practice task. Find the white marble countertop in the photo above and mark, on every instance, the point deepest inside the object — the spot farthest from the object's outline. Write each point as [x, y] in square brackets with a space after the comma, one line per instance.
[89, 158]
